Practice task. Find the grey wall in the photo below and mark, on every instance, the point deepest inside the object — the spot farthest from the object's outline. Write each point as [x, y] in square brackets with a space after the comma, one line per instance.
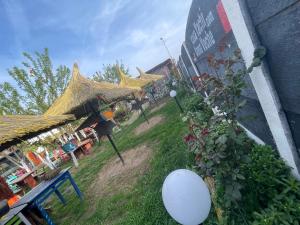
[277, 23]
[206, 31]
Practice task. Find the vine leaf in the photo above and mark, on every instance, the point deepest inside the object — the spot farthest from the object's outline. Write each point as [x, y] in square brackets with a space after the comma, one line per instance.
[260, 52]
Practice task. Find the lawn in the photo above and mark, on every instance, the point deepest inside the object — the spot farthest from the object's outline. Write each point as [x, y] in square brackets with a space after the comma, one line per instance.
[142, 203]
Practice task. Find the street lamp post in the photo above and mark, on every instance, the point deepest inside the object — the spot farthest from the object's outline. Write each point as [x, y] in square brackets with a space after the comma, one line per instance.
[172, 59]
[169, 53]
[173, 94]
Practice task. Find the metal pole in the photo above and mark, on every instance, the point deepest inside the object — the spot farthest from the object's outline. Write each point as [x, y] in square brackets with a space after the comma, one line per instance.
[169, 53]
[172, 59]
[177, 102]
[115, 148]
[143, 113]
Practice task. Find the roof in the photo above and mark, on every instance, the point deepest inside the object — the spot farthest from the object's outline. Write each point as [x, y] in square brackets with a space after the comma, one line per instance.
[164, 63]
[80, 90]
[16, 128]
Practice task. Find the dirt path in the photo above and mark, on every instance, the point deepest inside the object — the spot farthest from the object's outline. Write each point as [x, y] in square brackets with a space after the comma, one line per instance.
[115, 177]
[143, 127]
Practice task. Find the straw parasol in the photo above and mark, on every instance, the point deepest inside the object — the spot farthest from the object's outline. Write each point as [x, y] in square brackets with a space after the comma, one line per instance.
[149, 76]
[81, 90]
[129, 82]
[16, 128]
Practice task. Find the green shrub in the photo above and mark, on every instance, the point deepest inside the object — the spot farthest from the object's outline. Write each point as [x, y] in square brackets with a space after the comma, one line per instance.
[194, 103]
[284, 208]
[263, 172]
[271, 194]
[253, 184]
[183, 90]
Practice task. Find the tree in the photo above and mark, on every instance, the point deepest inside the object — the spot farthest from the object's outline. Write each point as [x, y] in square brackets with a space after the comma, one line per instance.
[39, 85]
[10, 100]
[109, 73]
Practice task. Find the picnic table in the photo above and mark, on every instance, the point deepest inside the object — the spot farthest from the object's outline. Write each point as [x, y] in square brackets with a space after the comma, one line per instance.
[40, 193]
[11, 215]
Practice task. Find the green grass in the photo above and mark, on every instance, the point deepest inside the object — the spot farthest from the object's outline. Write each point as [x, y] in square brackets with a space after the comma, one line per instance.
[143, 204]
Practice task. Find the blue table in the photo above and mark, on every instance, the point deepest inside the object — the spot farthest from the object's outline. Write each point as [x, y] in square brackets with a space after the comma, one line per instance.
[13, 213]
[40, 193]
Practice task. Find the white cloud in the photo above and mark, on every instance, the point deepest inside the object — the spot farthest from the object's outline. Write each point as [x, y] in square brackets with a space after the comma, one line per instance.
[152, 51]
[142, 46]
[111, 7]
[134, 39]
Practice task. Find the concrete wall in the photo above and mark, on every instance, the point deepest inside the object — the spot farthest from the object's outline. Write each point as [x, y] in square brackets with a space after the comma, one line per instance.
[205, 33]
[277, 24]
[272, 89]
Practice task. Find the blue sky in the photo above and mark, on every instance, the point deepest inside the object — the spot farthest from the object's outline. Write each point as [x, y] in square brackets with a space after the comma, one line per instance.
[91, 33]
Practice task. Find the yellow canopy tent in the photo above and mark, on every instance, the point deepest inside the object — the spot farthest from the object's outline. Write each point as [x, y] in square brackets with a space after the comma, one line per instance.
[16, 128]
[80, 90]
[153, 77]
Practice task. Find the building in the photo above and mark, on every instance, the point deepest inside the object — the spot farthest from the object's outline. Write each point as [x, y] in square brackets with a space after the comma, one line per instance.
[164, 68]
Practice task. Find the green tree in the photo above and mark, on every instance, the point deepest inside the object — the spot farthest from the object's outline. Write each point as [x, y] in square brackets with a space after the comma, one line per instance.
[39, 84]
[10, 100]
[109, 73]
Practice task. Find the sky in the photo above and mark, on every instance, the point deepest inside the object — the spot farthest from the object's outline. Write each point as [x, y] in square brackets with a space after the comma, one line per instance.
[91, 33]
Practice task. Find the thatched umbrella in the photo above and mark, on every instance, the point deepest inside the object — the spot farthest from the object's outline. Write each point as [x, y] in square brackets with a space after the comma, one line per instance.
[149, 76]
[138, 84]
[16, 128]
[82, 92]
[81, 99]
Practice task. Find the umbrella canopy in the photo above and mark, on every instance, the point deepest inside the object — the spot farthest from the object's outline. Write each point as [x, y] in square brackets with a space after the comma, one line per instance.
[149, 76]
[16, 128]
[81, 92]
[134, 83]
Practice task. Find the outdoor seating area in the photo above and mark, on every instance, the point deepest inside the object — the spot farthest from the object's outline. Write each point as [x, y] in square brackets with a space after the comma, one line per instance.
[32, 154]
[130, 112]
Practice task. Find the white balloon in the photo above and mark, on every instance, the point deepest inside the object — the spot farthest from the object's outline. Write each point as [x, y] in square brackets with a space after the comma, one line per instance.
[186, 197]
[173, 93]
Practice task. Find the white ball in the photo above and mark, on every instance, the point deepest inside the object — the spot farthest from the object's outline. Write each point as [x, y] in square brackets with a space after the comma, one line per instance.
[173, 93]
[186, 197]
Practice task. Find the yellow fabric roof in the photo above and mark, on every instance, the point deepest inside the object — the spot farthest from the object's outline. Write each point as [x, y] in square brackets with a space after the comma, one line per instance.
[153, 77]
[14, 127]
[129, 82]
[81, 89]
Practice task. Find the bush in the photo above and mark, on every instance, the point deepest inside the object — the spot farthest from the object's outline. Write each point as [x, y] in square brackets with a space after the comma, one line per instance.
[183, 89]
[270, 188]
[263, 172]
[194, 103]
[252, 183]
[270, 195]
